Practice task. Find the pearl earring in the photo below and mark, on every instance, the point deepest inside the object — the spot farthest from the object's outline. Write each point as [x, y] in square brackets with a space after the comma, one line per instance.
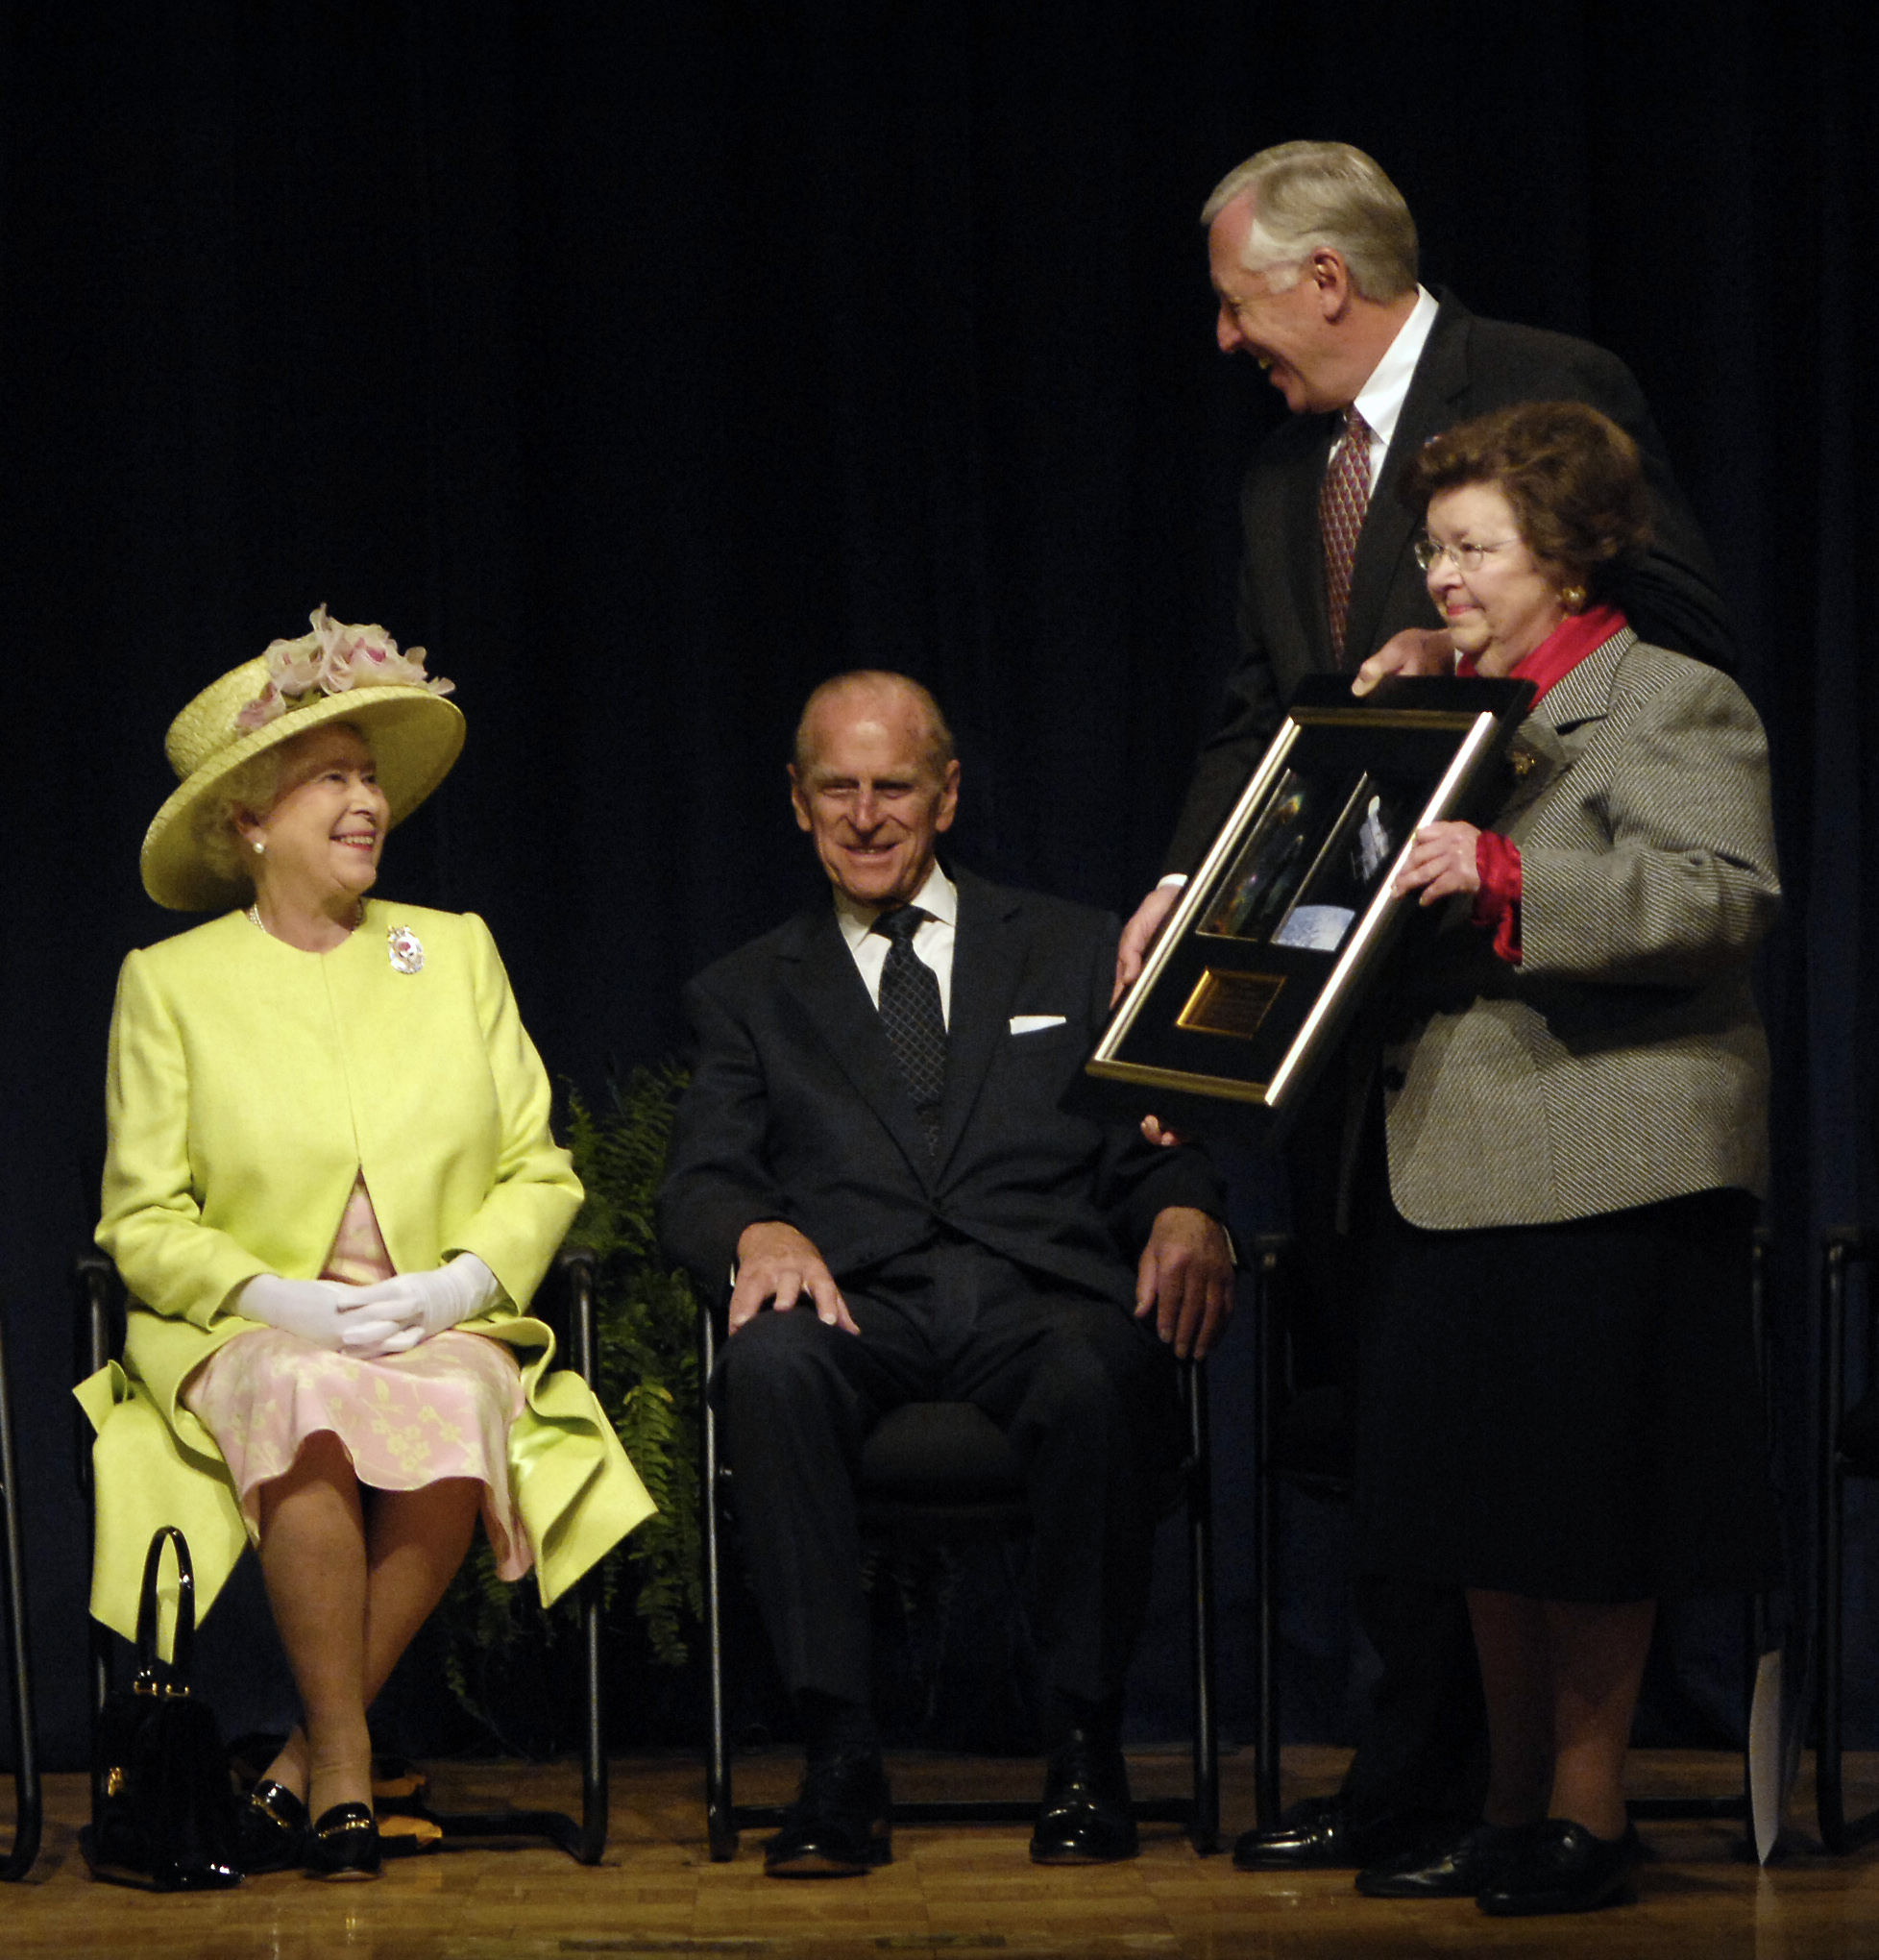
[260, 849]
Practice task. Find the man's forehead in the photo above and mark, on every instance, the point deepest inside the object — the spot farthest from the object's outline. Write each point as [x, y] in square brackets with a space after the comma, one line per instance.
[1232, 227]
[904, 765]
[867, 736]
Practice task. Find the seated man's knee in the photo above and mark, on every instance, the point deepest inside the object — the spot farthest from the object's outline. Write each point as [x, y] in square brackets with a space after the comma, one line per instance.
[1074, 1371]
[1103, 1377]
[775, 1355]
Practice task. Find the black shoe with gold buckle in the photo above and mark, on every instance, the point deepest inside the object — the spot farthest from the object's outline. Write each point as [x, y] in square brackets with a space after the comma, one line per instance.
[271, 1827]
[344, 1844]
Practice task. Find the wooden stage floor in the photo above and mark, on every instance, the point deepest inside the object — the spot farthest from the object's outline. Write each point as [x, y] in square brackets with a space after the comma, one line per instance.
[958, 1893]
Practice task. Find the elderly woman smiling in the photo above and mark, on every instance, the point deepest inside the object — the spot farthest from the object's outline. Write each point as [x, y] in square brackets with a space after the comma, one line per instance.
[331, 1190]
[1558, 1404]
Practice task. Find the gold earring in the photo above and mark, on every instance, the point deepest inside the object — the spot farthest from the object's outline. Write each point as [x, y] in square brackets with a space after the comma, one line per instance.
[1572, 597]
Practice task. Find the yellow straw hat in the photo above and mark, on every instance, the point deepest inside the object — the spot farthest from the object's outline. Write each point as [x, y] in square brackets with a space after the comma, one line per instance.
[334, 673]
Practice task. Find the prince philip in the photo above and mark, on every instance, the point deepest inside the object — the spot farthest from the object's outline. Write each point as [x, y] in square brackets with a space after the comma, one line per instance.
[871, 1140]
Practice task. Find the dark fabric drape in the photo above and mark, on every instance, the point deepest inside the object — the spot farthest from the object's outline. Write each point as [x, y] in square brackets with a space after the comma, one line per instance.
[647, 365]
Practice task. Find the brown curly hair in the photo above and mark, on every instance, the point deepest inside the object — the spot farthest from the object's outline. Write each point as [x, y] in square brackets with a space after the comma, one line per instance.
[1571, 474]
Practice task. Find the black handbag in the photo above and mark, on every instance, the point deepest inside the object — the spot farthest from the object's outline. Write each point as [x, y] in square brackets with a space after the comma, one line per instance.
[162, 1806]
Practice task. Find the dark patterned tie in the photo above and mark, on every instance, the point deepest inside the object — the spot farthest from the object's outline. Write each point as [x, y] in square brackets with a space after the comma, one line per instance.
[1342, 499]
[910, 1012]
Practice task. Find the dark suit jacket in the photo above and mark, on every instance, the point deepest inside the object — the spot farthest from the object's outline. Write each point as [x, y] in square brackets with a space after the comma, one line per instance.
[795, 1109]
[1469, 367]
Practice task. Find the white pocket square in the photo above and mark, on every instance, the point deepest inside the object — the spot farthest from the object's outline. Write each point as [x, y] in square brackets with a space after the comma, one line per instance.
[1035, 1023]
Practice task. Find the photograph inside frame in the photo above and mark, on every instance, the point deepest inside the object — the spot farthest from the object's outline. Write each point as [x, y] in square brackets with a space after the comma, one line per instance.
[1283, 926]
[1313, 860]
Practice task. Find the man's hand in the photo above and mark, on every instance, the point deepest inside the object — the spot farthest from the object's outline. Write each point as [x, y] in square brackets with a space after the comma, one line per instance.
[1185, 1279]
[1416, 650]
[1441, 862]
[775, 1264]
[1139, 935]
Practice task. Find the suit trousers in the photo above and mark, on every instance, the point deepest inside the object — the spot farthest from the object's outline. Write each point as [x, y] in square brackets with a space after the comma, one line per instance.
[1086, 1394]
[1421, 1760]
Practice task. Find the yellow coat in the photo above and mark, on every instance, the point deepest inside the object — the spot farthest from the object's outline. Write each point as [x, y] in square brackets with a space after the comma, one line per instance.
[248, 1085]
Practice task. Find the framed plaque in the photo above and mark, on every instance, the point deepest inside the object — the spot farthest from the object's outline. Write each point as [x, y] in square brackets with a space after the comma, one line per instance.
[1284, 924]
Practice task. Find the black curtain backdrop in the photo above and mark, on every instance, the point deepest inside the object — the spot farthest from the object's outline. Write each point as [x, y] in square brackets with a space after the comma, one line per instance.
[648, 364]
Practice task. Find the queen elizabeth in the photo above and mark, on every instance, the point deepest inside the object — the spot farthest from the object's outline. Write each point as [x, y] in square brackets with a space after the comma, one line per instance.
[331, 1190]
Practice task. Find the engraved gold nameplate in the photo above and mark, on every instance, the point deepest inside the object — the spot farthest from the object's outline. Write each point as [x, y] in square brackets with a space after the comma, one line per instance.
[1229, 1003]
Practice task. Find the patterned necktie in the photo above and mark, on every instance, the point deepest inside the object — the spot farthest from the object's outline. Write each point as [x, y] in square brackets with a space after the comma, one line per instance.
[1341, 501]
[910, 1013]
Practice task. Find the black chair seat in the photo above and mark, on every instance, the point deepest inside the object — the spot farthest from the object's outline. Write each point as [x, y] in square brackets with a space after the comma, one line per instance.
[933, 1471]
[940, 1453]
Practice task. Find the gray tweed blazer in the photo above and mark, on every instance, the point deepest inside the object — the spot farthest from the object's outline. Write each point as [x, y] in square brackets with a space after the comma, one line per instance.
[1622, 1061]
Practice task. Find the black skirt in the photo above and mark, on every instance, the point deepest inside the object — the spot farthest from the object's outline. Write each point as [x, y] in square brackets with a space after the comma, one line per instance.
[1567, 1411]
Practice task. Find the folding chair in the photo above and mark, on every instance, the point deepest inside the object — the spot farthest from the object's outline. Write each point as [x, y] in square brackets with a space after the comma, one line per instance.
[1848, 1440]
[28, 1811]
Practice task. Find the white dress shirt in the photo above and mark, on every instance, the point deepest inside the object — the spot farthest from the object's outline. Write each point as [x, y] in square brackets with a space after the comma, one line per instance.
[932, 943]
[1381, 400]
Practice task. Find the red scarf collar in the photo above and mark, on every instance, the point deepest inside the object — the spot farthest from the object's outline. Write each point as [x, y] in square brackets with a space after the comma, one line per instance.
[1562, 650]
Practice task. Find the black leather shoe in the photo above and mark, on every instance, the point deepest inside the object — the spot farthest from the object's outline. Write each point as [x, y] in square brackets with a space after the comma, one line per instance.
[1464, 1868]
[839, 1826]
[271, 1827]
[1563, 1867]
[1085, 1817]
[344, 1844]
[1312, 1836]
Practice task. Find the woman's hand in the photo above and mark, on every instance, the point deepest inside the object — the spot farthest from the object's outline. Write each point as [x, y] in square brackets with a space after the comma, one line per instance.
[323, 1311]
[397, 1314]
[1441, 862]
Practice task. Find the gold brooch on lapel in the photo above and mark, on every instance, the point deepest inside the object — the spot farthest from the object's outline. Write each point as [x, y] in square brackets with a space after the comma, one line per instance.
[406, 951]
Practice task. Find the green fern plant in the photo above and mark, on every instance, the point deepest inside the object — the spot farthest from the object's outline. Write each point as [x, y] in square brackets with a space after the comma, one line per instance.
[647, 1321]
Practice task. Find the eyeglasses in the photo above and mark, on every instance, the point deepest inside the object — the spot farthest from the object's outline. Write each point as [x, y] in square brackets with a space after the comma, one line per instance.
[1466, 557]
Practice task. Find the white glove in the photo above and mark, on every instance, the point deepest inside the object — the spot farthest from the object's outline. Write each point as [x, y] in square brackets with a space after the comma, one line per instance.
[419, 1305]
[323, 1311]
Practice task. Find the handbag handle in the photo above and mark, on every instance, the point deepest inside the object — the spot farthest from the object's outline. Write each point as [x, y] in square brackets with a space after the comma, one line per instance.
[154, 1675]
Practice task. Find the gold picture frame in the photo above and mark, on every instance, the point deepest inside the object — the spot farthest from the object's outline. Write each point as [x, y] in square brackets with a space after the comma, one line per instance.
[1283, 926]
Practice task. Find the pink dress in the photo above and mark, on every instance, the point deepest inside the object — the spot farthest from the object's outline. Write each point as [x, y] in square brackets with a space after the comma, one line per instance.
[441, 1409]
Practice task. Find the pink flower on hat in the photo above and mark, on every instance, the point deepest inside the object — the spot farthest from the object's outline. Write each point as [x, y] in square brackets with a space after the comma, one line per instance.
[333, 659]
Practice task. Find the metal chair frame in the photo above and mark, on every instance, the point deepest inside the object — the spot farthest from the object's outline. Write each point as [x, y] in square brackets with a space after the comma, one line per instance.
[28, 1796]
[1269, 1372]
[1199, 1812]
[1843, 1247]
[101, 1305]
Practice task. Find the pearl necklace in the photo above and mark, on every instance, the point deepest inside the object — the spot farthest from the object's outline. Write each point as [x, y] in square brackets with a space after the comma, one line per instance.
[254, 918]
